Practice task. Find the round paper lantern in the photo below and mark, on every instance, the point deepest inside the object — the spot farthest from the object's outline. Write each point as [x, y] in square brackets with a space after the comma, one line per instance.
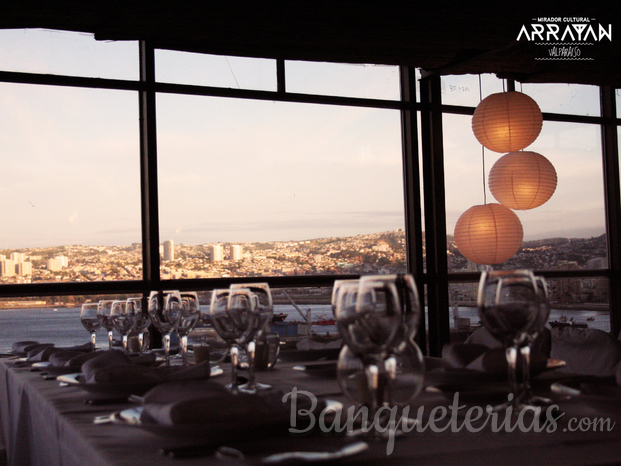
[488, 234]
[522, 180]
[507, 121]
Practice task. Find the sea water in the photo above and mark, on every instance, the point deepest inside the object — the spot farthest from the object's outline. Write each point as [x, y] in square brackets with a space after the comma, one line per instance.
[62, 326]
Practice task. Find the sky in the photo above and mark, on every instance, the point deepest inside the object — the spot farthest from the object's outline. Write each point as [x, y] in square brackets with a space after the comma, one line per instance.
[233, 170]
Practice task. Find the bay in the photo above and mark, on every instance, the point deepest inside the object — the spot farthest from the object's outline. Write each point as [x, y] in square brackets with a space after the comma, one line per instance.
[62, 326]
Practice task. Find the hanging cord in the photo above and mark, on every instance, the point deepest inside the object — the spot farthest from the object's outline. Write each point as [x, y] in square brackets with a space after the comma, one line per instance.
[482, 147]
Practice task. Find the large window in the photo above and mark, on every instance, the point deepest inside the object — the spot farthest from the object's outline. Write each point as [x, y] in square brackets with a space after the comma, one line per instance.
[299, 188]
[214, 168]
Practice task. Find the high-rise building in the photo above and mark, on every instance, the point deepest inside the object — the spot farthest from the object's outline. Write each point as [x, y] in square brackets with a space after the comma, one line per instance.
[57, 263]
[236, 252]
[217, 253]
[23, 268]
[7, 268]
[17, 257]
[169, 250]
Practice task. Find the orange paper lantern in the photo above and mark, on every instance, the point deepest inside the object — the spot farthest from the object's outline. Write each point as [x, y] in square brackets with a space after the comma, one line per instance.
[522, 180]
[488, 234]
[507, 121]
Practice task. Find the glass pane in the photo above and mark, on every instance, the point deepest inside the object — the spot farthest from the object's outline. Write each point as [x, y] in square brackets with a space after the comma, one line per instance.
[339, 79]
[464, 89]
[301, 188]
[573, 301]
[67, 53]
[583, 301]
[73, 159]
[618, 93]
[568, 228]
[574, 99]
[463, 314]
[214, 70]
[49, 319]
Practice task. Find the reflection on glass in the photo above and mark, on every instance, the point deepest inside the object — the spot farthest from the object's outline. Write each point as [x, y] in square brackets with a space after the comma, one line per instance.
[67, 53]
[340, 79]
[215, 70]
[464, 89]
[573, 99]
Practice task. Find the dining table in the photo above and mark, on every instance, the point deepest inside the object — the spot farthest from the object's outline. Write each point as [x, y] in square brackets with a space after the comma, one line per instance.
[47, 422]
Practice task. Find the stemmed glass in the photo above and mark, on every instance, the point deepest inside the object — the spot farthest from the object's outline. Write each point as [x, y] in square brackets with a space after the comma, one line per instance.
[378, 327]
[165, 311]
[264, 312]
[535, 329]
[140, 320]
[189, 318]
[233, 315]
[120, 320]
[509, 306]
[338, 284]
[106, 306]
[91, 317]
[218, 348]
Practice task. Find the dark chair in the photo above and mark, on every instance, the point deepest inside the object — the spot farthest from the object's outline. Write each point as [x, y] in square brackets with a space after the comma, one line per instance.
[586, 351]
[541, 345]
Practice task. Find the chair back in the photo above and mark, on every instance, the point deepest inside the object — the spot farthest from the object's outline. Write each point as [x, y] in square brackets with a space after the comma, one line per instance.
[586, 351]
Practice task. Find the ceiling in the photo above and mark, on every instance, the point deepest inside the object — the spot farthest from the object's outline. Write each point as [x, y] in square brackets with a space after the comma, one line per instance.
[441, 38]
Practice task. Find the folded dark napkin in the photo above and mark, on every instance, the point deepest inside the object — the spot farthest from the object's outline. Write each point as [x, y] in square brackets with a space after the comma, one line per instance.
[481, 358]
[208, 403]
[41, 352]
[23, 346]
[116, 367]
[44, 352]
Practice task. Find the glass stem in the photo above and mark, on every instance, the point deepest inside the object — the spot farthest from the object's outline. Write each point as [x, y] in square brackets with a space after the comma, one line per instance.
[93, 339]
[251, 351]
[109, 339]
[184, 349]
[125, 343]
[511, 354]
[525, 351]
[166, 338]
[391, 377]
[234, 361]
[372, 372]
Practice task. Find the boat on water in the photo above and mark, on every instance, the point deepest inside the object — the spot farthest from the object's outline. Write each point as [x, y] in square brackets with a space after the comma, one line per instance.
[324, 337]
[559, 324]
[279, 317]
[324, 322]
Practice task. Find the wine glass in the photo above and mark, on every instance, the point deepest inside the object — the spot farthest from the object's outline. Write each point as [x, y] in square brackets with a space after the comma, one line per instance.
[165, 311]
[369, 318]
[264, 312]
[106, 307]
[217, 347]
[91, 318]
[140, 319]
[120, 320]
[527, 397]
[189, 319]
[233, 315]
[508, 304]
[335, 290]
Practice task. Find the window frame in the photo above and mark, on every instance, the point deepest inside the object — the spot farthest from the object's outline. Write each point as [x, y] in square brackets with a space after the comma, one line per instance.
[431, 273]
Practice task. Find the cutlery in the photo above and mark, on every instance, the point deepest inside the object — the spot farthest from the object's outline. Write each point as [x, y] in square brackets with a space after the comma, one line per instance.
[347, 450]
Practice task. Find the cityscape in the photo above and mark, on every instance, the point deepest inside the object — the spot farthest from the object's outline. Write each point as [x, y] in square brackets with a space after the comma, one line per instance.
[381, 253]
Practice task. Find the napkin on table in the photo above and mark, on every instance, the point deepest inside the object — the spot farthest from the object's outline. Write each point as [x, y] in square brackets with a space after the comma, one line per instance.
[114, 366]
[207, 402]
[483, 359]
